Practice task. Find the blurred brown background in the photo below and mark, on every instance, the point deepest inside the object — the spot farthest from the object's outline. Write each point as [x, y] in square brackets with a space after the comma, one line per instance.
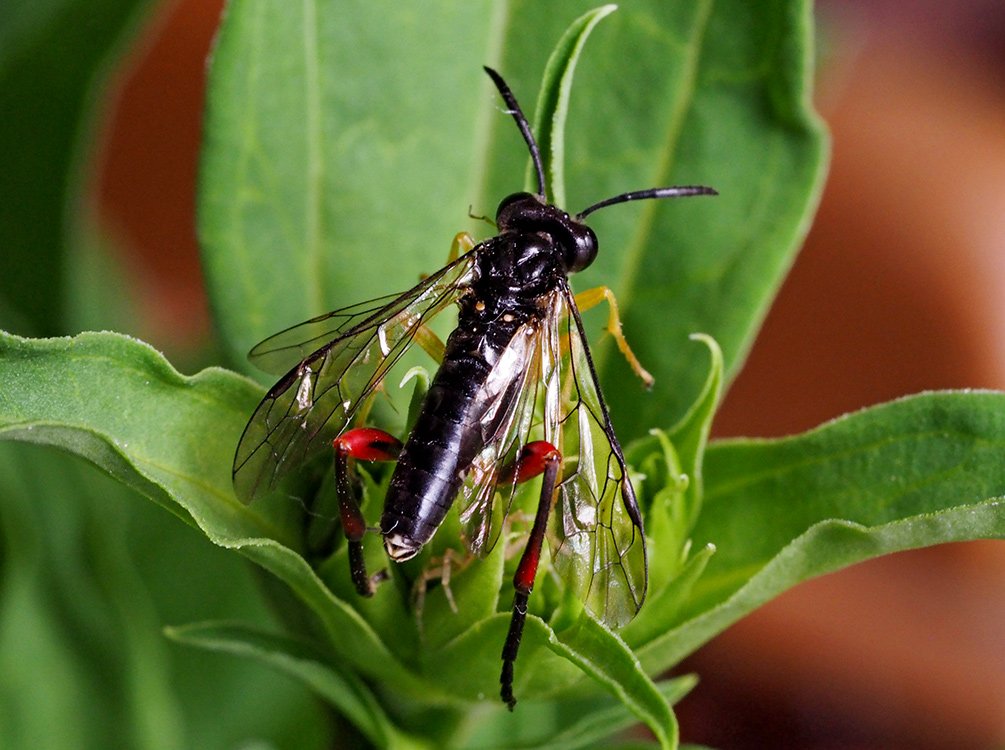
[900, 288]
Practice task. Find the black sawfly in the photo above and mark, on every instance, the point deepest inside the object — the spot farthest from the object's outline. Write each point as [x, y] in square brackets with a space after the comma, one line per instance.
[515, 396]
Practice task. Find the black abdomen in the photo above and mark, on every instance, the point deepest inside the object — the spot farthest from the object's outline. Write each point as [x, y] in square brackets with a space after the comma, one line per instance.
[448, 434]
[481, 372]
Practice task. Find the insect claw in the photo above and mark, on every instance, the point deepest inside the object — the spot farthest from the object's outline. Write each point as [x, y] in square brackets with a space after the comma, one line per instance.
[508, 699]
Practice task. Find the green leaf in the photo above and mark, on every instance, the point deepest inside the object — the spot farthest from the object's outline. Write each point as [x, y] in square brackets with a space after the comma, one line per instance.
[89, 575]
[552, 108]
[566, 724]
[345, 692]
[66, 609]
[97, 395]
[601, 724]
[475, 589]
[664, 605]
[605, 657]
[469, 665]
[670, 485]
[337, 156]
[336, 169]
[49, 107]
[118, 403]
[670, 490]
[661, 483]
[912, 473]
[690, 435]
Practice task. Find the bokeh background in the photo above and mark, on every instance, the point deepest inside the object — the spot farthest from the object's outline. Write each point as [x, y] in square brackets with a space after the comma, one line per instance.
[900, 288]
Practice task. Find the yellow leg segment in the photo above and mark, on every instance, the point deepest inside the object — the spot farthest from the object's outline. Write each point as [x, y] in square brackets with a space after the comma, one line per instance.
[461, 243]
[592, 298]
[431, 343]
[486, 219]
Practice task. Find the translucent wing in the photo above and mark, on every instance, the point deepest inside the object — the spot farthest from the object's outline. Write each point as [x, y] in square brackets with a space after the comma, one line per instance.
[596, 538]
[315, 400]
[486, 495]
[596, 535]
[284, 351]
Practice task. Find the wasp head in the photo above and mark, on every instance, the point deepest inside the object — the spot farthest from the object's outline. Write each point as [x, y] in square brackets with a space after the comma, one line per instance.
[526, 213]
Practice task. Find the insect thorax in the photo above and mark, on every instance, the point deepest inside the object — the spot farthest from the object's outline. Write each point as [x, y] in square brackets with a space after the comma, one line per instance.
[516, 270]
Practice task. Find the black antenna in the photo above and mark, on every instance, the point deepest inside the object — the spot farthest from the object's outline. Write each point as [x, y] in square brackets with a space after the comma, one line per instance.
[637, 195]
[521, 122]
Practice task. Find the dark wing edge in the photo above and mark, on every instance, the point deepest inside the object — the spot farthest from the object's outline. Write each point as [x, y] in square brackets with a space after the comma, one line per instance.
[316, 399]
[597, 539]
[283, 351]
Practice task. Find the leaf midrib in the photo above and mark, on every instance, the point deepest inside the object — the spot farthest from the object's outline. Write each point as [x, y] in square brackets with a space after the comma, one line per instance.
[484, 126]
[684, 99]
[314, 173]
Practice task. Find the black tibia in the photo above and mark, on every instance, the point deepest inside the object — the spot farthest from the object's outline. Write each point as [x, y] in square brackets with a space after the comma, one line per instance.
[523, 580]
[353, 522]
[367, 444]
[511, 647]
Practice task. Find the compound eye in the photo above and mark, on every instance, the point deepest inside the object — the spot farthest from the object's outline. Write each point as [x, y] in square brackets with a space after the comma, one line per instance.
[513, 206]
[582, 251]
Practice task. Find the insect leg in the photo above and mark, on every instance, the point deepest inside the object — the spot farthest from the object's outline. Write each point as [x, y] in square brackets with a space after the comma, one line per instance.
[487, 219]
[461, 243]
[537, 457]
[440, 570]
[367, 444]
[431, 343]
[592, 298]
